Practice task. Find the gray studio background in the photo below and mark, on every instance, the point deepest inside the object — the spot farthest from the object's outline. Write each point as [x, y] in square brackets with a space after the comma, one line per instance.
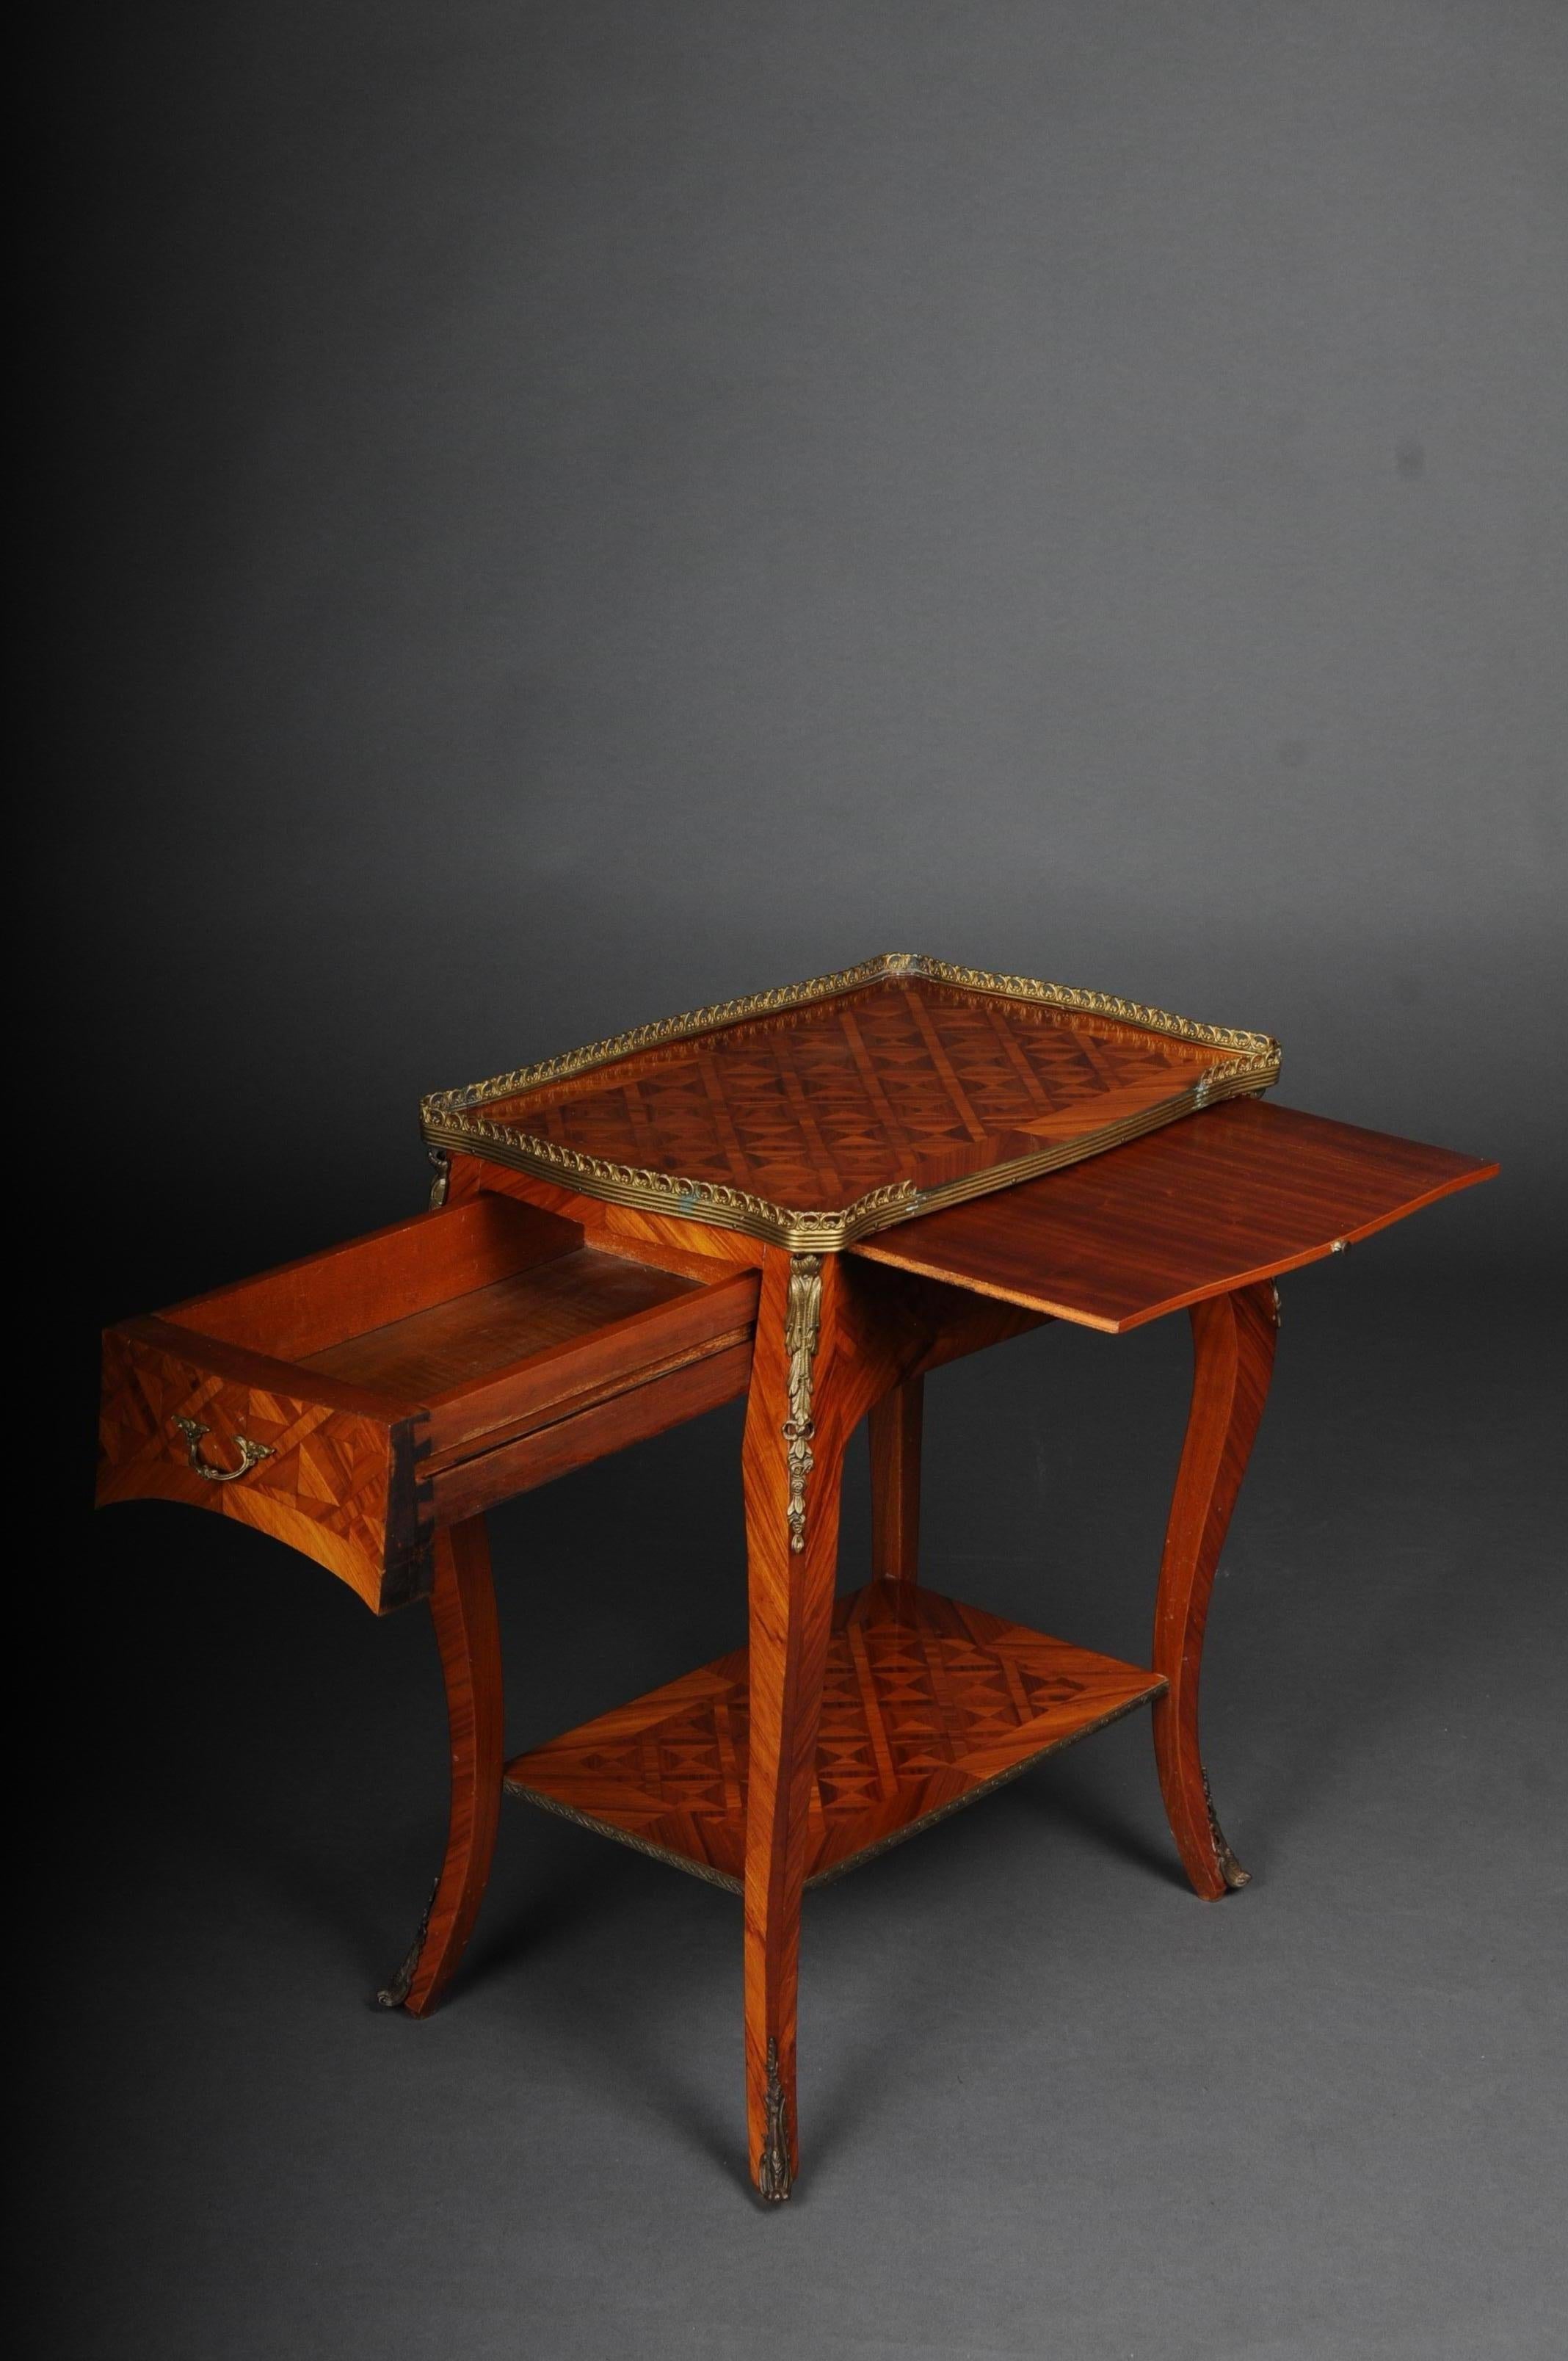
[571, 511]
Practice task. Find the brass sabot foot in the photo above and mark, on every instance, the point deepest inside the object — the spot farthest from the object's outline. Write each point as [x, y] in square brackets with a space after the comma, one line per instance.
[774, 2179]
[394, 1995]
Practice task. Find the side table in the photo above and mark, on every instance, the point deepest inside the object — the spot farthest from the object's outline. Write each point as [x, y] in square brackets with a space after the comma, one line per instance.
[616, 1244]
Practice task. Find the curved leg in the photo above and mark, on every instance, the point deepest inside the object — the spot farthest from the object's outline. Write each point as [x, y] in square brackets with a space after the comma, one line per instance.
[896, 1483]
[463, 1607]
[791, 1464]
[1234, 1337]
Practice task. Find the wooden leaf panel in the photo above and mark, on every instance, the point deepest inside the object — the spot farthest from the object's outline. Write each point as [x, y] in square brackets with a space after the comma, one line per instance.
[1218, 1201]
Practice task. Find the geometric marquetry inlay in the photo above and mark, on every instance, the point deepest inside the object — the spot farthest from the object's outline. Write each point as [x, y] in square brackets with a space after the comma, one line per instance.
[869, 1096]
[322, 1483]
[927, 1705]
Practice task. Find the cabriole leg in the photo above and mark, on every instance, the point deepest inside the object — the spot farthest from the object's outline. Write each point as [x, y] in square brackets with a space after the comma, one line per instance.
[1234, 1339]
[463, 1607]
[792, 1463]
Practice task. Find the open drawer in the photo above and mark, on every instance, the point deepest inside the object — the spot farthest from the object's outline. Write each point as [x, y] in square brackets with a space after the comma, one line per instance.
[350, 1403]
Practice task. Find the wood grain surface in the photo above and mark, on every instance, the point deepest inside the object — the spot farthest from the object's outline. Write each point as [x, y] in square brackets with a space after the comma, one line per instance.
[591, 1426]
[310, 1306]
[463, 1610]
[435, 1352]
[1233, 1339]
[1222, 1198]
[894, 1428]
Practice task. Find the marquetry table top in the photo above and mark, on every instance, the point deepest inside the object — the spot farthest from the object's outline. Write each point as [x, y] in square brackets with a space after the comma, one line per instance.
[815, 1114]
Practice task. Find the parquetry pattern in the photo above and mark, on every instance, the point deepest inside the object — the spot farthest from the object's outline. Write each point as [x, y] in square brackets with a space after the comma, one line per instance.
[927, 1705]
[906, 1079]
[323, 1490]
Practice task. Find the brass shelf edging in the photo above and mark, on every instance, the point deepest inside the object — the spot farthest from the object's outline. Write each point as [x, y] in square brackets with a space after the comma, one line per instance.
[683, 1861]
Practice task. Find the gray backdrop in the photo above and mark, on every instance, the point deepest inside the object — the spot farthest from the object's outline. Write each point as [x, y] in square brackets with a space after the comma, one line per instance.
[561, 513]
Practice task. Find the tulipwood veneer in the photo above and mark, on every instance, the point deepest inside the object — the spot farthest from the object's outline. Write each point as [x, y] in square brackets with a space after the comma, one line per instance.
[1217, 1201]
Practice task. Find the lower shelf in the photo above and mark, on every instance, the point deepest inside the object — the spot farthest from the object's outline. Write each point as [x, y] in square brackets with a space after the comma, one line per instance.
[928, 1705]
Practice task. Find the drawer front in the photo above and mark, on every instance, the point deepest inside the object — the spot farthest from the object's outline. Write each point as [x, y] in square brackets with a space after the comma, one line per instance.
[466, 1487]
[331, 1472]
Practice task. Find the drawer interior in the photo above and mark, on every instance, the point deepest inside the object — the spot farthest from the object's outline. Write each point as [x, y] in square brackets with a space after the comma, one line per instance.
[426, 1355]
[487, 1316]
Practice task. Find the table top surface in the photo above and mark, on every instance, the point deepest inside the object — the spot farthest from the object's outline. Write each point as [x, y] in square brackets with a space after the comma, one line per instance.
[823, 1112]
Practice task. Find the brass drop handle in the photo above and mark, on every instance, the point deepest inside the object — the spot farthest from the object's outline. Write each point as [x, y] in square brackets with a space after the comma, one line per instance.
[249, 1452]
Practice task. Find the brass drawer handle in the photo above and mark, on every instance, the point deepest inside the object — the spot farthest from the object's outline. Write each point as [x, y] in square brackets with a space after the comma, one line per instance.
[249, 1452]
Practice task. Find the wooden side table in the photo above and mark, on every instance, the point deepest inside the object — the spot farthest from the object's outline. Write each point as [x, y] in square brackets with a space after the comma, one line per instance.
[815, 1197]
